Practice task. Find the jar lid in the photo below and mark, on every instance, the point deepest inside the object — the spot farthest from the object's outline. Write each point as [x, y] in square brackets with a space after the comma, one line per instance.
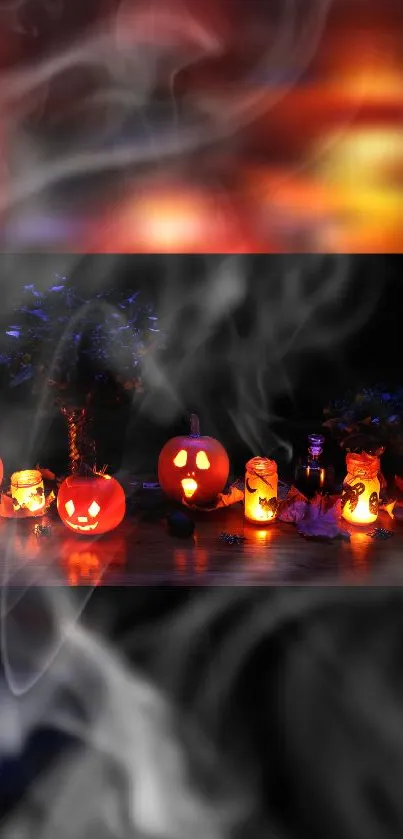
[365, 465]
[262, 466]
[26, 478]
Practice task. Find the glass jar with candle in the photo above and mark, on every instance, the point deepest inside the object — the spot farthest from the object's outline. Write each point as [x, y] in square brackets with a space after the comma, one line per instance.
[311, 474]
[27, 491]
[261, 482]
[361, 487]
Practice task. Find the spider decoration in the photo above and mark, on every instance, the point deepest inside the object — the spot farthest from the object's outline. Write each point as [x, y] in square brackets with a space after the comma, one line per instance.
[351, 494]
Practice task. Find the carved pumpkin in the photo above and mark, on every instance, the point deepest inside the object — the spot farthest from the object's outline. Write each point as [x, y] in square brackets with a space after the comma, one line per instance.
[193, 467]
[91, 505]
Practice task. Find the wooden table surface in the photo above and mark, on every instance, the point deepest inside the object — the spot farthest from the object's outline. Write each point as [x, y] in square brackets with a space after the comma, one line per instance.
[142, 552]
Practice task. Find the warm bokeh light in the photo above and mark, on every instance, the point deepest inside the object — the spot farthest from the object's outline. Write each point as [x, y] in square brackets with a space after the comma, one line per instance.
[293, 150]
[173, 217]
[256, 536]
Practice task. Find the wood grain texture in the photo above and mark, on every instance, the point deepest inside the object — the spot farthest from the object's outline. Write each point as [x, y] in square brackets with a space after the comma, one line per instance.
[142, 552]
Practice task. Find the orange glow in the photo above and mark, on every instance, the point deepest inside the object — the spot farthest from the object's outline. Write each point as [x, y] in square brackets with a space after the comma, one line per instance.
[174, 218]
[94, 562]
[27, 491]
[214, 72]
[201, 561]
[181, 458]
[257, 536]
[180, 560]
[189, 486]
[202, 461]
[261, 482]
[83, 567]
[360, 499]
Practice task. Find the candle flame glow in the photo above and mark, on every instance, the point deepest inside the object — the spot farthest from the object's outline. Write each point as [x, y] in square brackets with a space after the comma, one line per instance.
[189, 487]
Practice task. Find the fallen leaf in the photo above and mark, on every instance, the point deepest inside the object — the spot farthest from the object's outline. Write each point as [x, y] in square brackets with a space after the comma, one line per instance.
[323, 522]
[294, 507]
[389, 508]
[6, 506]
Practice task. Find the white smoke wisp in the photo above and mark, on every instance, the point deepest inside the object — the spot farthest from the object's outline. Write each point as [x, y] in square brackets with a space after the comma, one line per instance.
[190, 310]
[273, 312]
[129, 775]
[129, 57]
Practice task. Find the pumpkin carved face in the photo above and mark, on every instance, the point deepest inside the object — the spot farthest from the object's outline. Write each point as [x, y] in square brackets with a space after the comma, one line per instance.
[91, 505]
[193, 467]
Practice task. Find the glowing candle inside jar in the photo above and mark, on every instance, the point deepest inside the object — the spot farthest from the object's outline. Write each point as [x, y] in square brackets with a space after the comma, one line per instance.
[27, 491]
[261, 481]
[361, 487]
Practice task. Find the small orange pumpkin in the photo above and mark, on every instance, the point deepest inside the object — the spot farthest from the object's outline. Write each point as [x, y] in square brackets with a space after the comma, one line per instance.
[91, 505]
[193, 467]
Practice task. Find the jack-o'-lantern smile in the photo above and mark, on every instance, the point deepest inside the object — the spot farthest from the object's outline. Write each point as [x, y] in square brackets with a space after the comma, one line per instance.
[83, 527]
[83, 524]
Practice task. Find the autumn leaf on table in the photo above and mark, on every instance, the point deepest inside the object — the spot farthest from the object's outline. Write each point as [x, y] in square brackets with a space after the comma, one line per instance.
[391, 507]
[293, 508]
[323, 521]
[6, 506]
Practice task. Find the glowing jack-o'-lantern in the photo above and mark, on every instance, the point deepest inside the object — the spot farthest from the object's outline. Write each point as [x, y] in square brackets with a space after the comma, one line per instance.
[360, 496]
[193, 467]
[91, 505]
[261, 482]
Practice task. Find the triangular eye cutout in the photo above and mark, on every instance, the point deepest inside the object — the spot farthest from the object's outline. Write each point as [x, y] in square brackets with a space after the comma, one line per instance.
[70, 508]
[94, 509]
[202, 461]
[181, 458]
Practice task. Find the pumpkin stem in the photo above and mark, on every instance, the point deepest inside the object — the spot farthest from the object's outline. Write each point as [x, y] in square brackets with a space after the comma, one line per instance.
[194, 425]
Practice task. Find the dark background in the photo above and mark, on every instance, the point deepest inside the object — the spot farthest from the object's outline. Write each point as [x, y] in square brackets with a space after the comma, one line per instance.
[130, 431]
